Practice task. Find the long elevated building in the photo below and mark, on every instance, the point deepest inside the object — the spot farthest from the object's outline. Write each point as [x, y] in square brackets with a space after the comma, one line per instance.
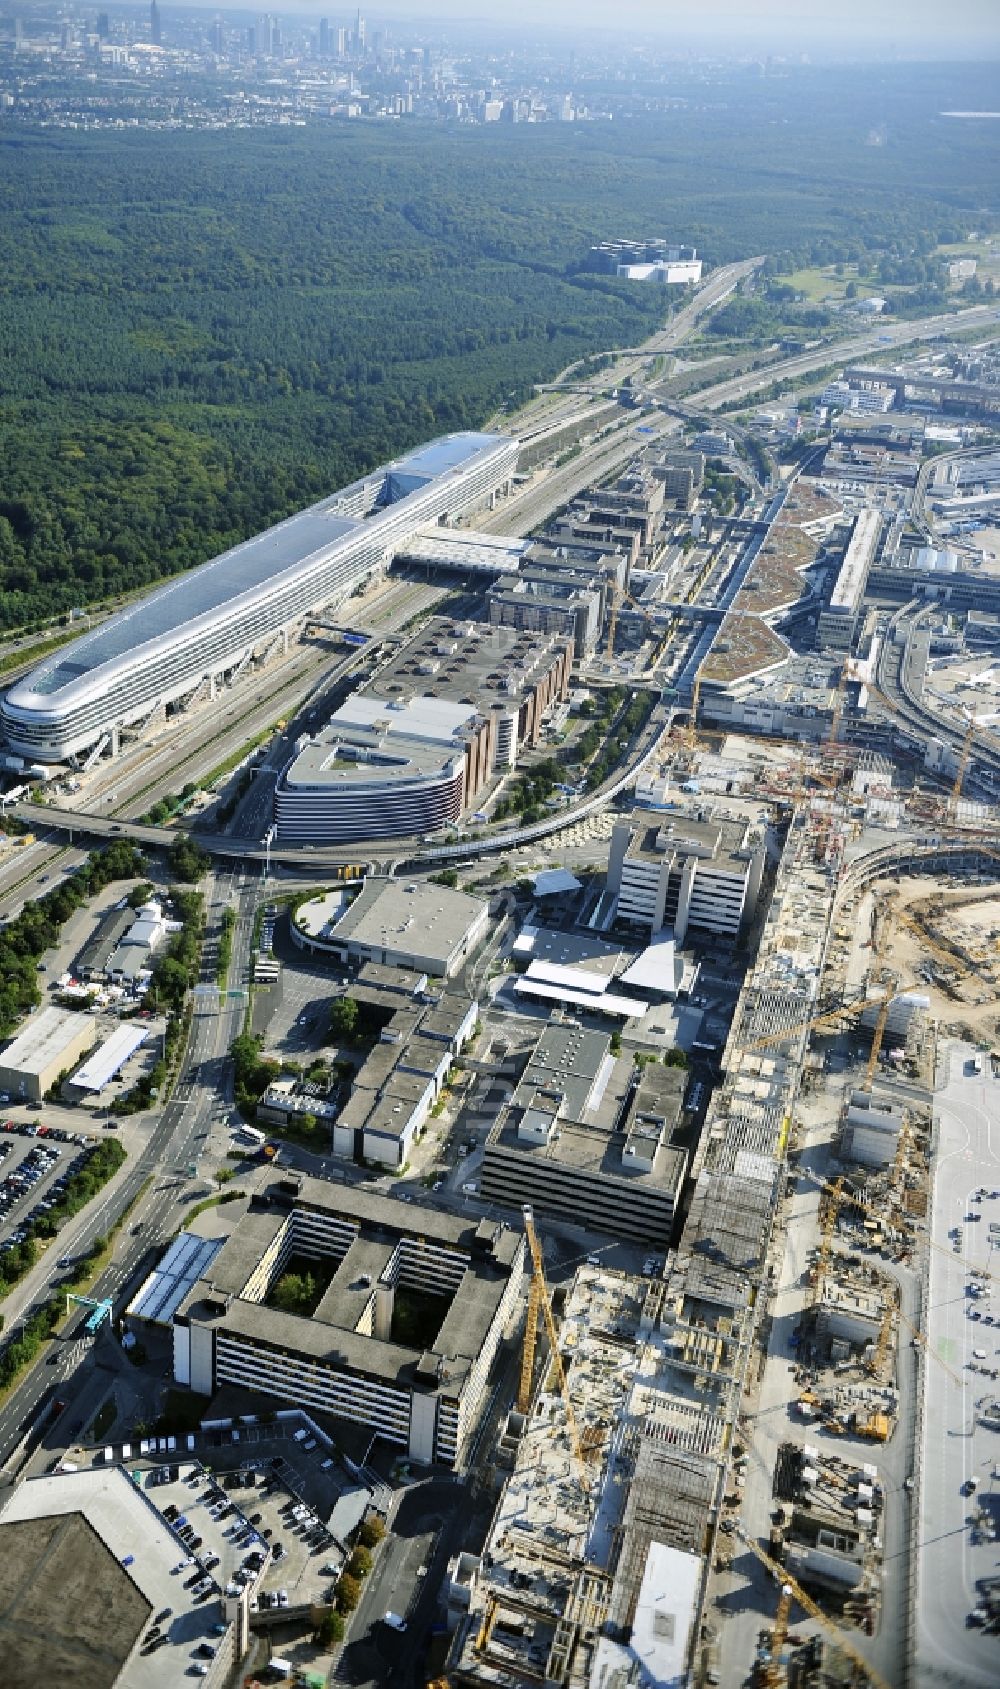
[210, 621]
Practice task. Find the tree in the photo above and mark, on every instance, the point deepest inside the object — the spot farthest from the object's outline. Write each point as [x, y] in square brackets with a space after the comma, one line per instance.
[187, 860]
[370, 1532]
[344, 1017]
[360, 1563]
[851, 290]
[675, 1058]
[295, 1293]
[348, 1593]
[331, 1630]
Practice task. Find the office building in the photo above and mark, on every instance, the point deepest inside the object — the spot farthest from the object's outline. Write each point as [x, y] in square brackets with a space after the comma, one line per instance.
[48, 1046]
[541, 601]
[354, 1355]
[154, 23]
[408, 754]
[324, 37]
[186, 636]
[690, 872]
[591, 1140]
[422, 1029]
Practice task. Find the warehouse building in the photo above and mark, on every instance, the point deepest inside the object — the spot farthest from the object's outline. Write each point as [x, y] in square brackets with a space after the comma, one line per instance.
[347, 1358]
[403, 924]
[591, 1140]
[48, 1046]
[698, 872]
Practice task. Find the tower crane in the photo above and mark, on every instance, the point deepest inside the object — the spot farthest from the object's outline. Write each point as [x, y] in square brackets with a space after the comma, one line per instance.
[963, 762]
[785, 1580]
[538, 1301]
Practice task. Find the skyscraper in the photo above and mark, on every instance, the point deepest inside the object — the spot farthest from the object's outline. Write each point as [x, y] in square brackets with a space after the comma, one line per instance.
[360, 35]
[341, 42]
[324, 38]
[103, 26]
[215, 37]
[154, 23]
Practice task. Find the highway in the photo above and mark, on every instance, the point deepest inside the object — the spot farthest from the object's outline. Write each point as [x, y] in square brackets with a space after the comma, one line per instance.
[842, 351]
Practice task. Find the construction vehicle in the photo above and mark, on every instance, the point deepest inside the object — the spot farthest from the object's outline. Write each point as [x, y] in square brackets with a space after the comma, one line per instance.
[785, 1581]
[540, 1302]
[848, 1197]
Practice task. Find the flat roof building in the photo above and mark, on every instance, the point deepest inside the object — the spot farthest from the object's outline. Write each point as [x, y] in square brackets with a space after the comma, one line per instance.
[699, 872]
[352, 1357]
[837, 622]
[86, 1561]
[591, 1140]
[404, 924]
[48, 1045]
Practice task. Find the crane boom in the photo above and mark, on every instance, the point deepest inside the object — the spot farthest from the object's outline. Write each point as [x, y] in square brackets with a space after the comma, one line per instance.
[808, 1605]
[543, 1302]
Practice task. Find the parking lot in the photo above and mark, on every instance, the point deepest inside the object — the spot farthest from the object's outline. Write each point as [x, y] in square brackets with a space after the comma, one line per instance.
[253, 1508]
[960, 1470]
[35, 1164]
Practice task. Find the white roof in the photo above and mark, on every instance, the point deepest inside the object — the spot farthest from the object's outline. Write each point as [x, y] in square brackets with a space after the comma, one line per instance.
[657, 969]
[602, 1002]
[574, 979]
[665, 1614]
[186, 1261]
[549, 882]
[419, 716]
[111, 1056]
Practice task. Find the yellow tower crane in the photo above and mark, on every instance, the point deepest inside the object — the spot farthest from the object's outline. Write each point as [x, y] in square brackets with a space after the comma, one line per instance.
[826, 1238]
[538, 1300]
[877, 1037]
[963, 761]
[773, 1674]
[785, 1580]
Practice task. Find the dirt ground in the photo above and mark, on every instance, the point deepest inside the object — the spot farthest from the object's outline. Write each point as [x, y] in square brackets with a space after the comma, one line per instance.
[970, 915]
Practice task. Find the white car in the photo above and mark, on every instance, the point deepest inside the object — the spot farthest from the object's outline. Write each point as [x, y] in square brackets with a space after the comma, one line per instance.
[394, 1621]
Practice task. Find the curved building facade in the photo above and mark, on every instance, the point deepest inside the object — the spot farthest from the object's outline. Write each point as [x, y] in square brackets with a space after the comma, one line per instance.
[208, 621]
[375, 790]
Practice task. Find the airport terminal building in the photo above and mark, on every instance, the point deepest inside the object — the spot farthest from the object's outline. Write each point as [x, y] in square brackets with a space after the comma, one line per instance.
[208, 622]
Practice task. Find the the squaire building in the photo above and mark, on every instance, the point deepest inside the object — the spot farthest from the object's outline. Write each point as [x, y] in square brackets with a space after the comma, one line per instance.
[204, 624]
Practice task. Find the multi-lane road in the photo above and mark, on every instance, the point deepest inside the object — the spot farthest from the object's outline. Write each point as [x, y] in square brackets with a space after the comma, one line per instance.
[173, 1144]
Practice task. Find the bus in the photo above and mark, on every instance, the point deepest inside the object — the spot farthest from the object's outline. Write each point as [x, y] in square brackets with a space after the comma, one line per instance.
[251, 1135]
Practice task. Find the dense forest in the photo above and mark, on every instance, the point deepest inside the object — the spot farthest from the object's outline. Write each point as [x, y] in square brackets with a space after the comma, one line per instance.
[200, 332]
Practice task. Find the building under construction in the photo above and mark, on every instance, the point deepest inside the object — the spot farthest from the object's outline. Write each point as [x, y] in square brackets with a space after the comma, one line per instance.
[596, 1558]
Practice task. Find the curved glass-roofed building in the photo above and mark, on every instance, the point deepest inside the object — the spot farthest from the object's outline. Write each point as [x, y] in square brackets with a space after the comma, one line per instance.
[206, 622]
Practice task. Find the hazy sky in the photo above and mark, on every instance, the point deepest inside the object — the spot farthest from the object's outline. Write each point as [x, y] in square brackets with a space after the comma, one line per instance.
[852, 26]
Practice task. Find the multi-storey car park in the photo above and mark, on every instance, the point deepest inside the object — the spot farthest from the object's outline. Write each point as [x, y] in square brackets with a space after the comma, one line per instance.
[201, 627]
